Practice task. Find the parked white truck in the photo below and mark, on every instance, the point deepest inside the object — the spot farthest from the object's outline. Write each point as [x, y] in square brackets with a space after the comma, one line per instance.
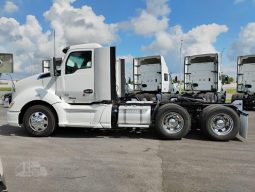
[83, 94]
[151, 77]
[202, 77]
[245, 81]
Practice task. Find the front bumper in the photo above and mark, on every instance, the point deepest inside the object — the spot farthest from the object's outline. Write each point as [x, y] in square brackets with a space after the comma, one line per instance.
[13, 118]
[3, 187]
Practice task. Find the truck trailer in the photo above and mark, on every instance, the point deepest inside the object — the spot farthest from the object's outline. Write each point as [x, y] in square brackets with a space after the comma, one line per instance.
[245, 81]
[83, 93]
[202, 78]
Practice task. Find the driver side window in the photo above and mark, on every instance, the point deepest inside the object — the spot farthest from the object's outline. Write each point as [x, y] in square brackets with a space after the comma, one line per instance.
[78, 60]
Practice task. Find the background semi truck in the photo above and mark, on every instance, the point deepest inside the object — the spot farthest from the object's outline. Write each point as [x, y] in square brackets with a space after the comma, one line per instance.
[202, 78]
[245, 81]
[151, 76]
[83, 93]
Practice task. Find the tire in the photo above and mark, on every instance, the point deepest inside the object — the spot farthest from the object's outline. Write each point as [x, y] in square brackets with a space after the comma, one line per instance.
[47, 121]
[220, 123]
[203, 118]
[172, 112]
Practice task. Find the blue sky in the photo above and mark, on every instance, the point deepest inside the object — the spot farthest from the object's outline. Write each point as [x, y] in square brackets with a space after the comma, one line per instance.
[136, 27]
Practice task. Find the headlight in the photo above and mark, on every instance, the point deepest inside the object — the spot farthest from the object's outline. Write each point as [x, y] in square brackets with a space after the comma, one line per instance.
[3, 187]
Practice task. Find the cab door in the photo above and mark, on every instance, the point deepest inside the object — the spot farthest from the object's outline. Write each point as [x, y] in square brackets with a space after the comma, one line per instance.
[77, 77]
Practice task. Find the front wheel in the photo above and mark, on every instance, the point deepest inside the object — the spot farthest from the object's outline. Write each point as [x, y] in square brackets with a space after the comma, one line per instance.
[39, 121]
[172, 122]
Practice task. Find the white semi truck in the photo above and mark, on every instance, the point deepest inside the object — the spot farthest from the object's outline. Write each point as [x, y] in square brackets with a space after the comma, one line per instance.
[245, 81]
[83, 93]
[202, 78]
[151, 77]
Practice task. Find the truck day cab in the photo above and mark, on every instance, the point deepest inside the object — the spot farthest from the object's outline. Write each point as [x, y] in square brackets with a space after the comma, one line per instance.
[152, 77]
[202, 77]
[83, 94]
[245, 81]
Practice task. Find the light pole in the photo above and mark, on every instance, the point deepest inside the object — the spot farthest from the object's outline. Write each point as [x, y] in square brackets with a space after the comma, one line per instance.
[221, 55]
[181, 56]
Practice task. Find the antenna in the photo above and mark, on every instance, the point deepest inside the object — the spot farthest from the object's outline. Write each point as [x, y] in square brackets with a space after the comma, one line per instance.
[13, 85]
[54, 41]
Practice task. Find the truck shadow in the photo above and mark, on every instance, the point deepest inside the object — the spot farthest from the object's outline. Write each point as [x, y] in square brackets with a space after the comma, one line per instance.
[6, 130]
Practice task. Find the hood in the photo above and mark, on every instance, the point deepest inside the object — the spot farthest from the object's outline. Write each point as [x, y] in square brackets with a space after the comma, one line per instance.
[26, 83]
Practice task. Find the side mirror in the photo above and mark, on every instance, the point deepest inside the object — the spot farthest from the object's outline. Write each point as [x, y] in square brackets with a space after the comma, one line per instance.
[129, 80]
[225, 80]
[194, 85]
[45, 66]
[248, 86]
[56, 65]
[175, 79]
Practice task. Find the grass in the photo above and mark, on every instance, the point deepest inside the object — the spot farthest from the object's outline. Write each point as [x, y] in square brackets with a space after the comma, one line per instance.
[5, 89]
[228, 100]
[231, 91]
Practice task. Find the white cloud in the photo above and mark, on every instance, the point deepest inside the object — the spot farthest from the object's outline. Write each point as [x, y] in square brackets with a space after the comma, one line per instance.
[79, 25]
[245, 43]
[238, 1]
[27, 42]
[30, 44]
[198, 40]
[152, 19]
[10, 7]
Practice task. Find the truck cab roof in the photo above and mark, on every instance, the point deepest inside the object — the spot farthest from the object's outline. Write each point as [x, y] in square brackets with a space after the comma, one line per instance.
[82, 46]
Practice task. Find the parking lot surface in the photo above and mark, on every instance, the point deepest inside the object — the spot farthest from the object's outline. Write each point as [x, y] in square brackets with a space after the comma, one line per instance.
[96, 160]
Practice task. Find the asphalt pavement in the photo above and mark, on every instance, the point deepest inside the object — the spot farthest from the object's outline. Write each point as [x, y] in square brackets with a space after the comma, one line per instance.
[128, 160]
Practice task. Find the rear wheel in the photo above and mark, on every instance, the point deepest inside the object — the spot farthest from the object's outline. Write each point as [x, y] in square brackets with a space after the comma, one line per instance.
[39, 121]
[172, 122]
[220, 123]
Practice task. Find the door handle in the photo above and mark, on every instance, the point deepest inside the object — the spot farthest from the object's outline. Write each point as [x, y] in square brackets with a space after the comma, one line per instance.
[88, 91]
[72, 97]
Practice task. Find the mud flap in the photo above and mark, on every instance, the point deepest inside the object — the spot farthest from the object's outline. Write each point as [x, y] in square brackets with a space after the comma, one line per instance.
[244, 116]
[243, 132]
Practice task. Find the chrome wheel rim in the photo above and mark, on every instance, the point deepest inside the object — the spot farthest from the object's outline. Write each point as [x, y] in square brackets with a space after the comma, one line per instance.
[222, 124]
[38, 121]
[173, 122]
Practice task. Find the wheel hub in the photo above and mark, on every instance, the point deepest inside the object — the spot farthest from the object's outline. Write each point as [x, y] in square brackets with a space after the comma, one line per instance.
[38, 121]
[173, 122]
[222, 124]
